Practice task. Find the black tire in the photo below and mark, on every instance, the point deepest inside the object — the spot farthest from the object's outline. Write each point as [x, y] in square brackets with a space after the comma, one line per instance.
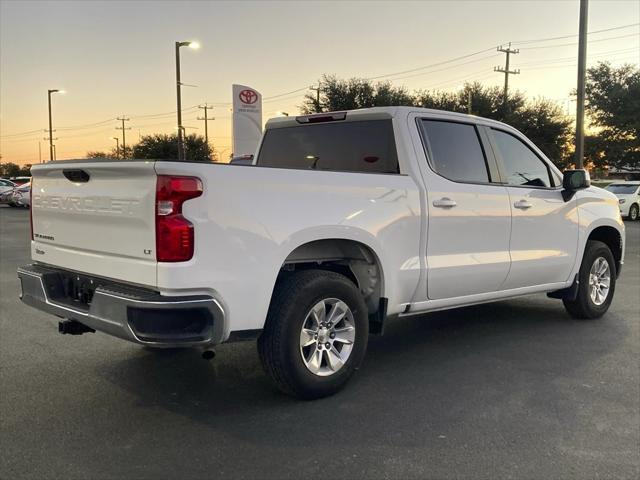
[583, 306]
[279, 343]
[633, 212]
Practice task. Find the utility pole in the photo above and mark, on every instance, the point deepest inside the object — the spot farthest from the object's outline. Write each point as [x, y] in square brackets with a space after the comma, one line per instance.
[117, 145]
[39, 152]
[469, 101]
[317, 90]
[582, 61]
[52, 147]
[508, 51]
[206, 119]
[124, 142]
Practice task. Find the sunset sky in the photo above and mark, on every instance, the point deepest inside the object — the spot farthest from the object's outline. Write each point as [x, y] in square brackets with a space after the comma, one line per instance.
[117, 58]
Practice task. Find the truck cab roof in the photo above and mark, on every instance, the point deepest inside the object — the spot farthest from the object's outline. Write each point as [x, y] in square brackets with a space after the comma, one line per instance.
[374, 113]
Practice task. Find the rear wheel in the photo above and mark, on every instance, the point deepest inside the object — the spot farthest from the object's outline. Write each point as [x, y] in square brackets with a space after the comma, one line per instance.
[315, 336]
[597, 282]
[633, 212]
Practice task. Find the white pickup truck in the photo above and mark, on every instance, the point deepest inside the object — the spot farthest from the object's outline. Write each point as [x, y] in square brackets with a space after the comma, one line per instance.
[344, 220]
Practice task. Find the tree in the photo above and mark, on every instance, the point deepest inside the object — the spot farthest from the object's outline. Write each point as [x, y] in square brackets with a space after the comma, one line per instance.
[613, 107]
[112, 154]
[10, 170]
[546, 125]
[541, 120]
[336, 94]
[98, 154]
[165, 147]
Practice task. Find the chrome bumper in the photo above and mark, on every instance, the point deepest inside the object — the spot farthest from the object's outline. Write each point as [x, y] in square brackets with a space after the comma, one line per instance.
[138, 315]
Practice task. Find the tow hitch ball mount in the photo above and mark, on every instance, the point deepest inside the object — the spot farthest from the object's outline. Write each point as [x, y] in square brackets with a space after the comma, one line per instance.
[73, 327]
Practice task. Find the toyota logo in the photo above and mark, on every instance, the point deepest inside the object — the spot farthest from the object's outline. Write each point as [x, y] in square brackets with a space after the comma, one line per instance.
[248, 96]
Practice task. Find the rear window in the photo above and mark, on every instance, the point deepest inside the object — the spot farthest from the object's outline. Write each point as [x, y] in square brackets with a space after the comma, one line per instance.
[364, 146]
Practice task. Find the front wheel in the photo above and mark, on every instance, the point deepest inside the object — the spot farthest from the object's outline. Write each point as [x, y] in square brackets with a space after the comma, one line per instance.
[633, 212]
[315, 336]
[597, 282]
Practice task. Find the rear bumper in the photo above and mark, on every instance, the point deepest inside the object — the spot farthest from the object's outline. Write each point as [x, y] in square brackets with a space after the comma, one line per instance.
[138, 315]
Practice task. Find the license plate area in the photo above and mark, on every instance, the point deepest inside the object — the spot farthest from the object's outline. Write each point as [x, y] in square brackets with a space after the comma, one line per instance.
[71, 289]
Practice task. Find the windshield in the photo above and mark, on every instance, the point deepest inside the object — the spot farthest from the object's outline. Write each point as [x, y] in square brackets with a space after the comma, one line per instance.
[622, 188]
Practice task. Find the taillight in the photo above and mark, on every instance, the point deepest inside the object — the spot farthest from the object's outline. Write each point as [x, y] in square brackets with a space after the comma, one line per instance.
[174, 233]
[31, 210]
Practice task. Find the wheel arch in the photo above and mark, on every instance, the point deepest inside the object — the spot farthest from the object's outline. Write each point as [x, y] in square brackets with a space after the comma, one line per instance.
[611, 237]
[353, 258]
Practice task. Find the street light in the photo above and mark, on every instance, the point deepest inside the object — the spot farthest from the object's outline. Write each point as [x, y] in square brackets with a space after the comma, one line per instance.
[49, 92]
[193, 45]
[117, 145]
[282, 114]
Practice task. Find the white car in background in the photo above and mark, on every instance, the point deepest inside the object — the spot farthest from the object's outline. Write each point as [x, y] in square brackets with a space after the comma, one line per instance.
[6, 190]
[22, 196]
[628, 194]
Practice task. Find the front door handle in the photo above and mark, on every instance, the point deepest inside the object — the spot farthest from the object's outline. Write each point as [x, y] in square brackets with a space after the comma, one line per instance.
[444, 202]
[522, 204]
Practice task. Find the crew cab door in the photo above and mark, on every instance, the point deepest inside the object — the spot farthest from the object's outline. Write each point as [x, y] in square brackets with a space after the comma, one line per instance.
[544, 230]
[469, 218]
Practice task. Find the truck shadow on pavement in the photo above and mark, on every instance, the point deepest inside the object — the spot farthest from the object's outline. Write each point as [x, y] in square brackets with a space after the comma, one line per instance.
[427, 379]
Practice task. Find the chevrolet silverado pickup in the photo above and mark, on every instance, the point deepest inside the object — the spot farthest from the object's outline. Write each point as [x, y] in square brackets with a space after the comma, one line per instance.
[343, 220]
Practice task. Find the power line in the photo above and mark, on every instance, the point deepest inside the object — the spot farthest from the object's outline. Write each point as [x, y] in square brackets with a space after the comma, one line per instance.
[557, 45]
[447, 68]
[289, 94]
[548, 39]
[462, 57]
[430, 66]
[282, 94]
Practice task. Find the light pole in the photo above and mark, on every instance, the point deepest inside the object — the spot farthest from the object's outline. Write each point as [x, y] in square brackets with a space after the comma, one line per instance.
[49, 92]
[117, 145]
[178, 94]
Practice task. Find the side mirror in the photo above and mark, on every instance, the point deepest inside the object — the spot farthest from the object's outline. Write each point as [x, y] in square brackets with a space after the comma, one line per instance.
[573, 180]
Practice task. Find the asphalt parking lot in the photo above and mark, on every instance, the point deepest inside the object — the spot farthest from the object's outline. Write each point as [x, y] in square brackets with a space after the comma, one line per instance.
[516, 389]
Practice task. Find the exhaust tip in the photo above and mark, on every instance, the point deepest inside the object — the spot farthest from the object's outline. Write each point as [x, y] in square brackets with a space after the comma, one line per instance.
[209, 354]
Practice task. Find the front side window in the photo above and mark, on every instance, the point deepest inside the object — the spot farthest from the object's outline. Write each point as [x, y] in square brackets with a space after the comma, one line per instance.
[522, 166]
[456, 152]
[366, 146]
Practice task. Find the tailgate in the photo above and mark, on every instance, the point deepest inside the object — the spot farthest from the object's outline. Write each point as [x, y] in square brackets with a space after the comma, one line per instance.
[96, 217]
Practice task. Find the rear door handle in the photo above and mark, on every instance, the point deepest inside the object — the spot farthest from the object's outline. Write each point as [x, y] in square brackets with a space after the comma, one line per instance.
[522, 204]
[444, 202]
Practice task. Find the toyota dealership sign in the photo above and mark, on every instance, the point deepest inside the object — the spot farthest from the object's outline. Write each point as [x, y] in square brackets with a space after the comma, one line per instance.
[247, 120]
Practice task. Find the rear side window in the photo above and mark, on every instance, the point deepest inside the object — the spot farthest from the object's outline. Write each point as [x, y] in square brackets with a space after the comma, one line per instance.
[366, 146]
[522, 166]
[456, 152]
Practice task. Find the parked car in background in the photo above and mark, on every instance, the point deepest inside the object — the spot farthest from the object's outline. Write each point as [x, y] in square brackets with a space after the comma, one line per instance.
[20, 180]
[628, 194]
[242, 160]
[6, 185]
[21, 196]
[6, 190]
